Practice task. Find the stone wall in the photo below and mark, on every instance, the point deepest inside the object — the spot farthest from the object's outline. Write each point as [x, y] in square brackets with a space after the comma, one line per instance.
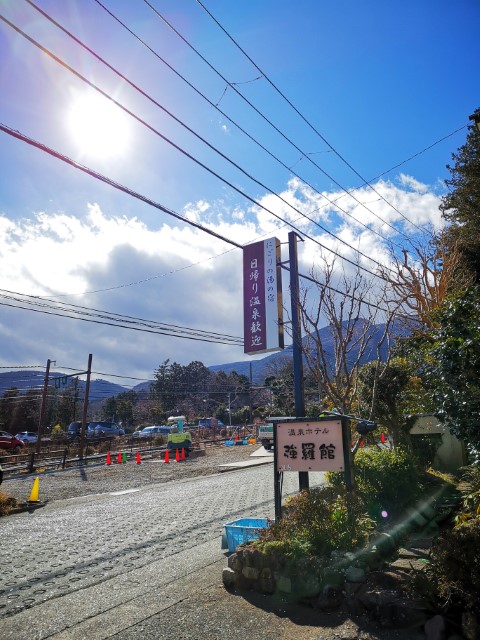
[371, 581]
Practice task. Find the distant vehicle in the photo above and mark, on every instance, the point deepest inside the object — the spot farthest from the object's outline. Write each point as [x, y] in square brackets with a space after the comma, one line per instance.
[27, 436]
[74, 430]
[104, 429]
[265, 435]
[180, 440]
[9, 442]
[154, 430]
[209, 423]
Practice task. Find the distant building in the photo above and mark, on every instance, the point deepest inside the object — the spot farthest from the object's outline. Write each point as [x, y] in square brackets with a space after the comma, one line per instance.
[451, 454]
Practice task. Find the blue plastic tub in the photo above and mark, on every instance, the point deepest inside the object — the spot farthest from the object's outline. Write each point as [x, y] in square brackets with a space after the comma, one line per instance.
[240, 531]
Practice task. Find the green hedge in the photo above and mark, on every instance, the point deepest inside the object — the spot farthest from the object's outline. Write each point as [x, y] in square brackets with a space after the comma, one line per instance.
[317, 521]
[386, 480]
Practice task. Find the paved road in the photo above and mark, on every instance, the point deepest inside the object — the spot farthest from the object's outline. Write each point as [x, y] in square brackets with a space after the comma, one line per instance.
[87, 561]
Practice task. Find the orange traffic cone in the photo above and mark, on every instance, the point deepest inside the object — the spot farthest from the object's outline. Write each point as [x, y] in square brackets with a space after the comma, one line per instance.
[177, 455]
[119, 457]
[167, 457]
[183, 454]
[236, 437]
[137, 458]
[109, 458]
[383, 437]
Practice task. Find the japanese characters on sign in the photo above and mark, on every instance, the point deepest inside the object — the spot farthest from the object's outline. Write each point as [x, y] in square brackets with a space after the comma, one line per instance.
[262, 297]
[310, 446]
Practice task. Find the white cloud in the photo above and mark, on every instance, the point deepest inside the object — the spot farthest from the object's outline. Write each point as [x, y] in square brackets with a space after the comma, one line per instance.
[174, 273]
[410, 183]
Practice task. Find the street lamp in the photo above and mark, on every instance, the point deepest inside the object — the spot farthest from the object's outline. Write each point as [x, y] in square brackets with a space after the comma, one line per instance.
[476, 119]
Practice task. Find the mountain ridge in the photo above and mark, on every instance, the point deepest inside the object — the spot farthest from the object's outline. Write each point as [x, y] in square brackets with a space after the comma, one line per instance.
[26, 379]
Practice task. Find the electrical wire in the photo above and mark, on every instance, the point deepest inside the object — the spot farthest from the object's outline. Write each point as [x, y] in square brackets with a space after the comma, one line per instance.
[22, 366]
[272, 155]
[112, 316]
[304, 154]
[307, 122]
[198, 162]
[233, 122]
[104, 318]
[98, 176]
[83, 168]
[94, 174]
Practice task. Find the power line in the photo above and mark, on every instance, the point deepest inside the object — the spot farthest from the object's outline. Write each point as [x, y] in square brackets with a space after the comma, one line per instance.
[98, 176]
[310, 125]
[238, 126]
[191, 157]
[112, 183]
[304, 154]
[272, 155]
[23, 366]
[128, 191]
[127, 322]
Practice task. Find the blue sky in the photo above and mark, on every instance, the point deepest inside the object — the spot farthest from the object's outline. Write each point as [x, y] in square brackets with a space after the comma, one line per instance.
[378, 82]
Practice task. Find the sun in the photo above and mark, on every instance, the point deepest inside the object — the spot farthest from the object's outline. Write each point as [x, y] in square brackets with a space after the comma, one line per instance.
[98, 127]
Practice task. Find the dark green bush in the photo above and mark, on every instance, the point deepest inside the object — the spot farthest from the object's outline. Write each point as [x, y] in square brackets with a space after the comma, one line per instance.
[317, 521]
[386, 480]
[471, 490]
[455, 566]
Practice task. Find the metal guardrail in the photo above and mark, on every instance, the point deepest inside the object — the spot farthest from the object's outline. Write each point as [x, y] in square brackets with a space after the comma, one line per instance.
[32, 461]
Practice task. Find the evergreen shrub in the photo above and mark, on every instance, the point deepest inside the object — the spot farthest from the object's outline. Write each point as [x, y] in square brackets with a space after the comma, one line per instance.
[386, 480]
[316, 522]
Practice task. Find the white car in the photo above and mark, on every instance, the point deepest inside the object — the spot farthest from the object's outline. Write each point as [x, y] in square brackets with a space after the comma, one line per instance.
[150, 432]
[27, 436]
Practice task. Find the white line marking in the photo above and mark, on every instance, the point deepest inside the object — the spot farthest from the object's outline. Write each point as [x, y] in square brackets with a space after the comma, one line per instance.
[121, 493]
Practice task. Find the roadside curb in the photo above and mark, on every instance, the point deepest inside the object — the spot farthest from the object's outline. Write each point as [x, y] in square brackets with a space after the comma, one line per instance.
[233, 466]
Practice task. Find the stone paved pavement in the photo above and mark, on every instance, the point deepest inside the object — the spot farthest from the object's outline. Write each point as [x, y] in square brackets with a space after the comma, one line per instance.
[73, 544]
[147, 564]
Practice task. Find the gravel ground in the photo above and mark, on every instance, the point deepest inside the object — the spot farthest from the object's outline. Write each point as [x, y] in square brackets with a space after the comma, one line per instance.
[261, 617]
[99, 478]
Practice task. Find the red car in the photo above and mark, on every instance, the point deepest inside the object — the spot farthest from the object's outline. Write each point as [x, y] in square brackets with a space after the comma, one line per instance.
[7, 442]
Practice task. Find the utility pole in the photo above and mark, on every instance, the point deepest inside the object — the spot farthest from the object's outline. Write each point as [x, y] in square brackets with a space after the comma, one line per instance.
[43, 407]
[75, 398]
[250, 406]
[297, 341]
[85, 407]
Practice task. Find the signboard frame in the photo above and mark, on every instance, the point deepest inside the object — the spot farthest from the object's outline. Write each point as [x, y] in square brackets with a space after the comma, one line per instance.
[262, 297]
[315, 424]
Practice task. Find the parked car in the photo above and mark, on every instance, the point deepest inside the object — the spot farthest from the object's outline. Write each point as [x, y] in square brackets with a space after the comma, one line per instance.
[27, 436]
[104, 429]
[9, 442]
[208, 423]
[74, 430]
[154, 430]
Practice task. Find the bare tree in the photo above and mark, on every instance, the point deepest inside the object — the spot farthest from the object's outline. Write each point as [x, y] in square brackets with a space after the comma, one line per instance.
[358, 330]
[424, 277]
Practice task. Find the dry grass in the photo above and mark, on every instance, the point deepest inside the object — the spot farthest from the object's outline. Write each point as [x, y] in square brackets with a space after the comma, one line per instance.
[7, 504]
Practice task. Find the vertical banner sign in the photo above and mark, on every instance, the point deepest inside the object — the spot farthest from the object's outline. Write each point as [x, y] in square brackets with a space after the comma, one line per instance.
[262, 297]
[310, 446]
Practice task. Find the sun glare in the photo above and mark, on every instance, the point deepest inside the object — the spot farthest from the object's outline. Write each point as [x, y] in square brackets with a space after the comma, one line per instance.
[98, 126]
